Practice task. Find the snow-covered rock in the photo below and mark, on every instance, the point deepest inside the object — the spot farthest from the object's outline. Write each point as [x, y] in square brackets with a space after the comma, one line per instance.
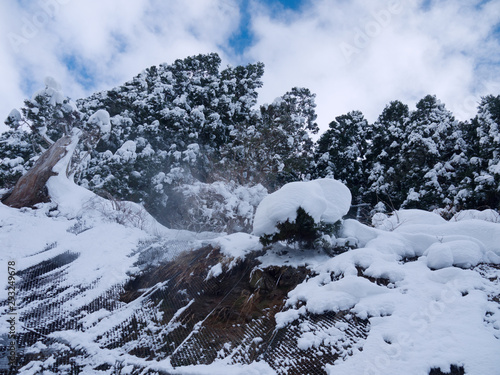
[324, 200]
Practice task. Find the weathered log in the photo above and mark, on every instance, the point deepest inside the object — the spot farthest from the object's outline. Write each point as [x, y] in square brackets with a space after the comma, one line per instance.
[31, 188]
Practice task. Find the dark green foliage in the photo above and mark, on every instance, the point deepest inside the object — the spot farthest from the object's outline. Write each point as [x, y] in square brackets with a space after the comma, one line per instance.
[341, 150]
[383, 157]
[302, 231]
[285, 146]
[191, 122]
[416, 159]
[44, 119]
[480, 177]
[16, 153]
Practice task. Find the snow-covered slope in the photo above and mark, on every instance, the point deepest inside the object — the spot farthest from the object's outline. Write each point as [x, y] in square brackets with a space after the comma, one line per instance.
[102, 288]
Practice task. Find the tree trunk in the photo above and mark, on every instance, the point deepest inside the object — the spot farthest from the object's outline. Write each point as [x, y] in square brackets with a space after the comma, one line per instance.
[30, 189]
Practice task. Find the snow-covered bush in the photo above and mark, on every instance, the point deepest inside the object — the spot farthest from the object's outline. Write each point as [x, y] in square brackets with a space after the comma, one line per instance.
[304, 232]
[307, 213]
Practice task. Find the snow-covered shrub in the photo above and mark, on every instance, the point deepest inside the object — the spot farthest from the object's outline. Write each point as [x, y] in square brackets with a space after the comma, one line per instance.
[304, 232]
[307, 213]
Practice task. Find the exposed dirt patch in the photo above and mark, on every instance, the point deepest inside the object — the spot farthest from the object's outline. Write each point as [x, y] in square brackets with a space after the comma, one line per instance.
[236, 296]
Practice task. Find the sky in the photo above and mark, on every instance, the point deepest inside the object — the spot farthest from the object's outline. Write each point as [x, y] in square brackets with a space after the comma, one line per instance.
[354, 55]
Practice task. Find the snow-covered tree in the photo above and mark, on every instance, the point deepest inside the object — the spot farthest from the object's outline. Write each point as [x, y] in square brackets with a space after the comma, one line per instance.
[480, 186]
[432, 136]
[45, 117]
[16, 156]
[39, 138]
[383, 156]
[284, 129]
[341, 150]
[307, 213]
[186, 120]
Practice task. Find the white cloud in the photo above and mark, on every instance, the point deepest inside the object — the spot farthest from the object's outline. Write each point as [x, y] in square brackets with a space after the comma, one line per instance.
[110, 41]
[362, 54]
[356, 54]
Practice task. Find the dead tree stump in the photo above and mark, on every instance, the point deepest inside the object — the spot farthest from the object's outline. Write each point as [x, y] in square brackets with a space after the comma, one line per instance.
[31, 188]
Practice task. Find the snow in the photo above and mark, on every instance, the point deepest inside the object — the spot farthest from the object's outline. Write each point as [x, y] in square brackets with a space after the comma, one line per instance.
[487, 215]
[237, 245]
[431, 311]
[52, 91]
[433, 304]
[325, 200]
[126, 152]
[214, 271]
[406, 217]
[14, 116]
[461, 253]
[101, 119]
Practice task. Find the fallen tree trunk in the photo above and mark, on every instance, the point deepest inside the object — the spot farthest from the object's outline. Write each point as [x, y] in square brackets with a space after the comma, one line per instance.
[31, 188]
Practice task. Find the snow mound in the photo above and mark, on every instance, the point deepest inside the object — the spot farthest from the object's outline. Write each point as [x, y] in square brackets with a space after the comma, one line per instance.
[460, 253]
[405, 217]
[237, 245]
[426, 286]
[486, 215]
[325, 200]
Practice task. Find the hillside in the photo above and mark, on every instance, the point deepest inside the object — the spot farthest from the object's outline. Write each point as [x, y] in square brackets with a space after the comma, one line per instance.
[98, 291]
[171, 225]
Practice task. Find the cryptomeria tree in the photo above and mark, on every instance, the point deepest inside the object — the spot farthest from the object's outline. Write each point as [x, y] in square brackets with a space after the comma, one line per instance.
[341, 150]
[172, 124]
[383, 157]
[481, 185]
[45, 118]
[284, 129]
[431, 140]
[38, 139]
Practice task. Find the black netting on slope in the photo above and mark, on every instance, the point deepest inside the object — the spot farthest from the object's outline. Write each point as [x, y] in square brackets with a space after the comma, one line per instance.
[198, 326]
[39, 297]
[339, 336]
[190, 318]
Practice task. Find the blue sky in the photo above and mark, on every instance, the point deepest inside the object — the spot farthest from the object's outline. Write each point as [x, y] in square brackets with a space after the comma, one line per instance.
[355, 55]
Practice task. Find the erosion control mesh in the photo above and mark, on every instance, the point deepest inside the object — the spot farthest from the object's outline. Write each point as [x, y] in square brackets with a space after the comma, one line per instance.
[176, 310]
